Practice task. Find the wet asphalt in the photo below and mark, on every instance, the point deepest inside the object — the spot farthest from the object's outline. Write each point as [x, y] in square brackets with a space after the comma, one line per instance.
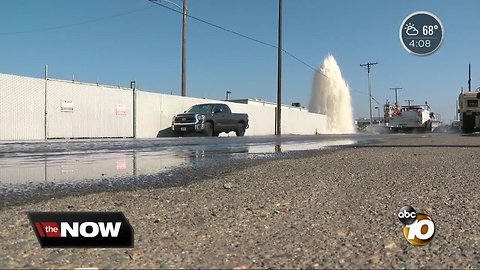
[30, 171]
[329, 208]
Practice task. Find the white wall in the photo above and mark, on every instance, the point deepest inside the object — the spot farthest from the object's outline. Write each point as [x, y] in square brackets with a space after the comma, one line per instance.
[155, 112]
[262, 119]
[22, 102]
[295, 121]
[105, 111]
[149, 114]
[97, 111]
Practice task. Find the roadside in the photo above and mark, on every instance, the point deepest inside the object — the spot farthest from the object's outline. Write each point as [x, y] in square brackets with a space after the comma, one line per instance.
[332, 210]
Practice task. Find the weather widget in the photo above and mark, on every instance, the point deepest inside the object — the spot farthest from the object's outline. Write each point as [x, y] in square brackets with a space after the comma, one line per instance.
[421, 33]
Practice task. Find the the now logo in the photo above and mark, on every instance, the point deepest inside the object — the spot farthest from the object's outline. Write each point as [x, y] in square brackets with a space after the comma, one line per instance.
[76, 229]
[82, 229]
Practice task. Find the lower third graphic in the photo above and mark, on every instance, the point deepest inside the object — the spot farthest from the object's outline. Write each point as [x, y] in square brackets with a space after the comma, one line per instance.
[82, 229]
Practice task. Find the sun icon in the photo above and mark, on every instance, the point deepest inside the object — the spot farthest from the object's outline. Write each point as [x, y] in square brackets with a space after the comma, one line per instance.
[409, 26]
[410, 29]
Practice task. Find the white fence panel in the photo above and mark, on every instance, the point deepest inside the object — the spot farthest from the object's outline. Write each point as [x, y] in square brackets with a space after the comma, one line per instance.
[77, 110]
[261, 118]
[149, 113]
[22, 108]
[81, 110]
[296, 121]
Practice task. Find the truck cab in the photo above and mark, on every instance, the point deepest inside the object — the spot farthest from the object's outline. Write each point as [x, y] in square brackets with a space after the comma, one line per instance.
[469, 111]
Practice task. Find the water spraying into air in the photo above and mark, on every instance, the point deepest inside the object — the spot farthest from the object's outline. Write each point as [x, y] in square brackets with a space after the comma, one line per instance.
[331, 96]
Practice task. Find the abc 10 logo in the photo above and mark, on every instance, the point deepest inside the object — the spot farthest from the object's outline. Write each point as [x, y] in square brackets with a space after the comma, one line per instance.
[418, 228]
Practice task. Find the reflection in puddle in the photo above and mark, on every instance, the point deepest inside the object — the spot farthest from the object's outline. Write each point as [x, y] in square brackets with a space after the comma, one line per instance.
[297, 146]
[61, 167]
[92, 166]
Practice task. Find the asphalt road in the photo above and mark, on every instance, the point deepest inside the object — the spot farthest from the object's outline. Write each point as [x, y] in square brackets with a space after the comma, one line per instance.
[323, 209]
[32, 170]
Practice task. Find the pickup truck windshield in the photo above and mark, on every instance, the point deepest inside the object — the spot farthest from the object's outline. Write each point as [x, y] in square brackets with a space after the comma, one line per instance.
[205, 108]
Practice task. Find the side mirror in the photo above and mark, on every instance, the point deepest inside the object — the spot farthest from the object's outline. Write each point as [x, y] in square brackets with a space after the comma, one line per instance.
[184, 111]
[217, 111]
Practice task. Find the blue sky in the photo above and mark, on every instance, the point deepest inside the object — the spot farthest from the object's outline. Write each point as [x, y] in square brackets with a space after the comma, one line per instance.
[146, 46]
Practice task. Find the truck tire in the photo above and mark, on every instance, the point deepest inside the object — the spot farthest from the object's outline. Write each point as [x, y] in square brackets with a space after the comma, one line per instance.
[208, 129]
[467, 130]
[240, 130]
[428, 126]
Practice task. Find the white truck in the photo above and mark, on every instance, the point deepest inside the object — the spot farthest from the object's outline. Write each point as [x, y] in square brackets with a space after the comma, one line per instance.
[410, 118]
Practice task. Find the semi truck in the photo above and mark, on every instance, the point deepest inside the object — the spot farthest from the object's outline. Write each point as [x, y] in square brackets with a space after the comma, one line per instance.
[469, 111]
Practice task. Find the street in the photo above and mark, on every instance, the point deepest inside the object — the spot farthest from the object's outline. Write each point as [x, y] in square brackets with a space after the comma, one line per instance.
[323, 209]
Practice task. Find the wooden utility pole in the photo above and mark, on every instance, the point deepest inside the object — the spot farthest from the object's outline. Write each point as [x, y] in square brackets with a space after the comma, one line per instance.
[396, 95]
[368, 65]
[278, 118]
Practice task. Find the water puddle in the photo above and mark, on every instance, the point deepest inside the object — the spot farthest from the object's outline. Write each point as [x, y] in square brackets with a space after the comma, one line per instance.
[36, 164]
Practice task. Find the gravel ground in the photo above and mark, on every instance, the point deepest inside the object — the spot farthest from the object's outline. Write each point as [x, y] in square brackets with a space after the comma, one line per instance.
[332, 210]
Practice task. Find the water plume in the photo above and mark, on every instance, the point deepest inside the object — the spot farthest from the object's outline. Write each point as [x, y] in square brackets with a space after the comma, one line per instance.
[331, 96]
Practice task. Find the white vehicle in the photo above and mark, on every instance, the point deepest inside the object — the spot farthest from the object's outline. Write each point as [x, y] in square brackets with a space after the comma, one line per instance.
[469, 111]
[410, 118]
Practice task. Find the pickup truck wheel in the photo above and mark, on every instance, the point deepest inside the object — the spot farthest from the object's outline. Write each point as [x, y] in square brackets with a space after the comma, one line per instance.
[208, 129]
[240, 130]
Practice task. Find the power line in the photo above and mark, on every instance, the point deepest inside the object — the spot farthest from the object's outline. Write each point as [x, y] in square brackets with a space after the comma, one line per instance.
[180, 12]
[215, 25]
[75, 24]
[241, 35]
[169, 8]
[303, 62]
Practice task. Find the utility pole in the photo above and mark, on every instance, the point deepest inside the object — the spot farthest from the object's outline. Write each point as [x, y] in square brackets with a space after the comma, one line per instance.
[409, 101]
[184, 49]
[396, 95]
[278, 130]
[45, 105]
[368, 65]
[469, 79]
[133, 86]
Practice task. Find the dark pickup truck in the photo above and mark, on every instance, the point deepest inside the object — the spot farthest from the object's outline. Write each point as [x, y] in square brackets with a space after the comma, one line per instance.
[210, 119]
